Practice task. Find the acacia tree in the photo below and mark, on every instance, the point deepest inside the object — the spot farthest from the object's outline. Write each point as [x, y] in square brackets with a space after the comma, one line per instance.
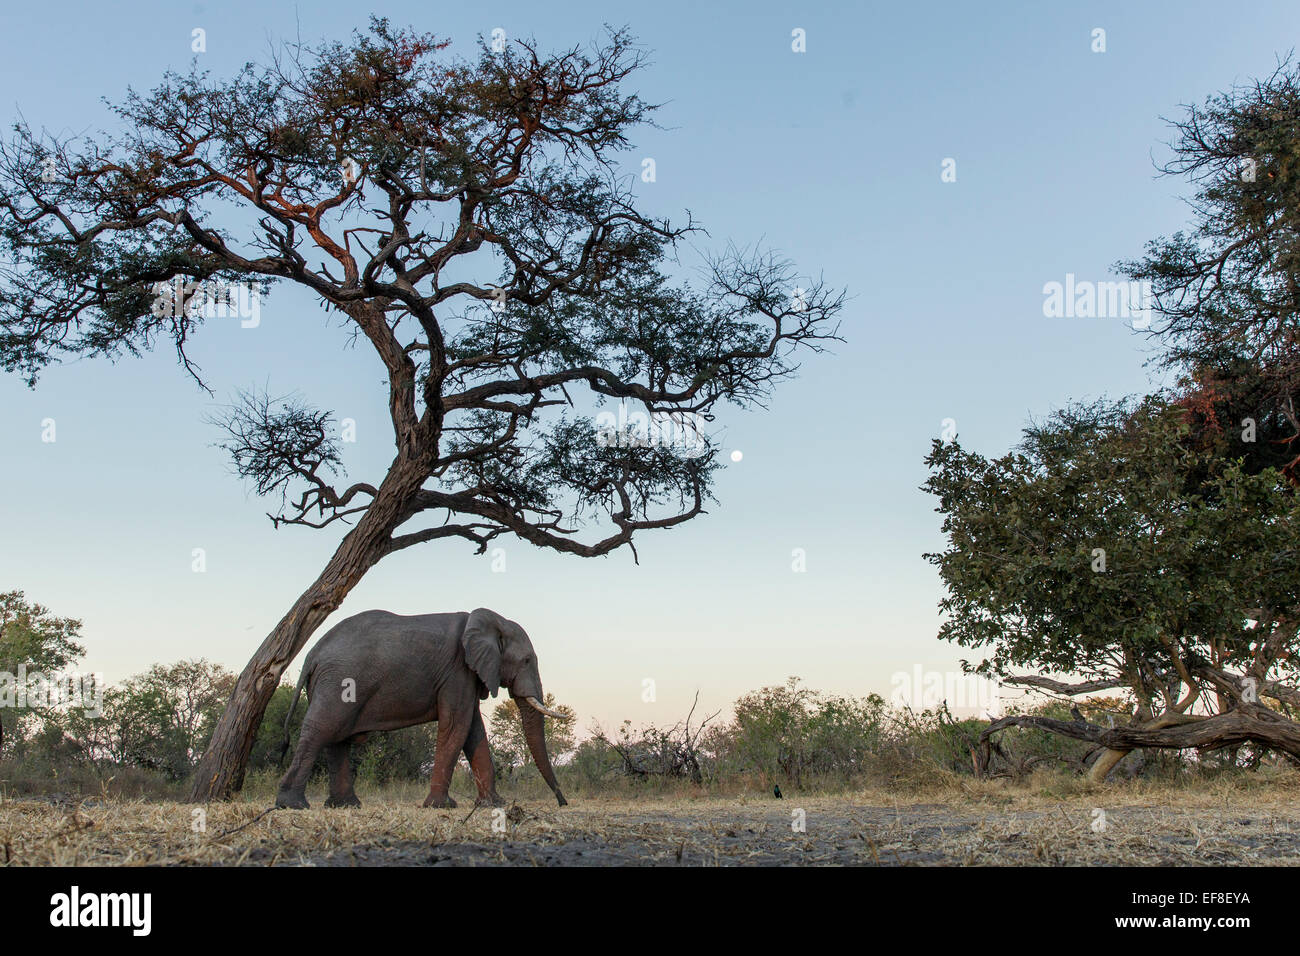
[1111, 548]
[469, 221]
[1227, 290]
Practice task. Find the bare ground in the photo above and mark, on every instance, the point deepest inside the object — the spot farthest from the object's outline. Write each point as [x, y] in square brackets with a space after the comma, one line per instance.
[967, 826]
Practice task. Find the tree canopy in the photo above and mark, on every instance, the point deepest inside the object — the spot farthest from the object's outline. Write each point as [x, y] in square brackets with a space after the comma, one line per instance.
[32, 639]
[470, 221]
[1225, 290]
[1110, 547]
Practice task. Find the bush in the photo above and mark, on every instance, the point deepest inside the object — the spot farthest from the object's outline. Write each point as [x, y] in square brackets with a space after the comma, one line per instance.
[396, 755]
[793, 732]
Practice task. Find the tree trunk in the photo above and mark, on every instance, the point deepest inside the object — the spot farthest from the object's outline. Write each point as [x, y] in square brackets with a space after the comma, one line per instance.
[219, 773]
[1106, 761]
[1247, 722]
[1109, 759]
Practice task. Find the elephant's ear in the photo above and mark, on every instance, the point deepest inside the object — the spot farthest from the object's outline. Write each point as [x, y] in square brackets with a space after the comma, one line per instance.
[482, 643]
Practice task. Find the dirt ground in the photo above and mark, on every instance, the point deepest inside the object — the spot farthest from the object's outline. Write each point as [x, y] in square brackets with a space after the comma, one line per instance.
[1102, 828]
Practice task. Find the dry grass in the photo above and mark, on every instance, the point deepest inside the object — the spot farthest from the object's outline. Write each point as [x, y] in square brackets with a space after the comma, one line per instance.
[1045, 820]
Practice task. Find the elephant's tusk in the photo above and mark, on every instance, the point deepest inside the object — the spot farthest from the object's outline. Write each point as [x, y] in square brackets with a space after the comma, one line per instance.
[537, 705]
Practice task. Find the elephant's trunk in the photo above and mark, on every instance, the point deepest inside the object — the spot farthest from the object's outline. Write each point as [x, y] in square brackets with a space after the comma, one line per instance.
[535, 735]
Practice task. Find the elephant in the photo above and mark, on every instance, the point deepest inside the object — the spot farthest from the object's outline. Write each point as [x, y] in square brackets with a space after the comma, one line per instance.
[382, 671]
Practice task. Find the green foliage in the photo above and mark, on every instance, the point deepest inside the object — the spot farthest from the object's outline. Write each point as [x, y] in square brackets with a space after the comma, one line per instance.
[31, 637]
[161, 720]
[594, 762]
[792, 731]
[1108, 546]
[158, 721]
[506, 735]
[405, 754]
[270, 732]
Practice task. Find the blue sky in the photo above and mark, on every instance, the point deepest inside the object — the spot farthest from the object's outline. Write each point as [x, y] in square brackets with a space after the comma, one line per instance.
[832, 156]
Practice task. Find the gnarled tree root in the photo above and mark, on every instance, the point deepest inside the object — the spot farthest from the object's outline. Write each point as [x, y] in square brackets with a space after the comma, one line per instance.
[1245, 723]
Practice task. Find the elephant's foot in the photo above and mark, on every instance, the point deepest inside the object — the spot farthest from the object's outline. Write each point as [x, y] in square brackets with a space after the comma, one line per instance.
[440, 801]
[291, 800]
[347, 800]
[491, 800]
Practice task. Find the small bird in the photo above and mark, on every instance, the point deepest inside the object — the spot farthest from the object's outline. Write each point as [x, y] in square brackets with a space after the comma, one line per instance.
[776, 791]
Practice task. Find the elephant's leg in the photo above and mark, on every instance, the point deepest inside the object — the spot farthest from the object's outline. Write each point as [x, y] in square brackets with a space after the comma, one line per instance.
[453, 729]
[479, 756]
[339, 758]
[293, 786]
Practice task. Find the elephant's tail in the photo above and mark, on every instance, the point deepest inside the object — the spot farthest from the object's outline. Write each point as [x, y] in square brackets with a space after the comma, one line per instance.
[288, 720]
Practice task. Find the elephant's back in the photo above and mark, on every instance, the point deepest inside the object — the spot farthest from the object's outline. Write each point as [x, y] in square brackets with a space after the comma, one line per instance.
[374, 636]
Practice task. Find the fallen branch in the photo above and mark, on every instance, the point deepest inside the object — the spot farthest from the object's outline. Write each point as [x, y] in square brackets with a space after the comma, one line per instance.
[1245, 723]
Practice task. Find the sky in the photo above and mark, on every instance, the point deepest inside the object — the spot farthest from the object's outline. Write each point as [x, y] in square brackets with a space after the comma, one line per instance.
[835, 157]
